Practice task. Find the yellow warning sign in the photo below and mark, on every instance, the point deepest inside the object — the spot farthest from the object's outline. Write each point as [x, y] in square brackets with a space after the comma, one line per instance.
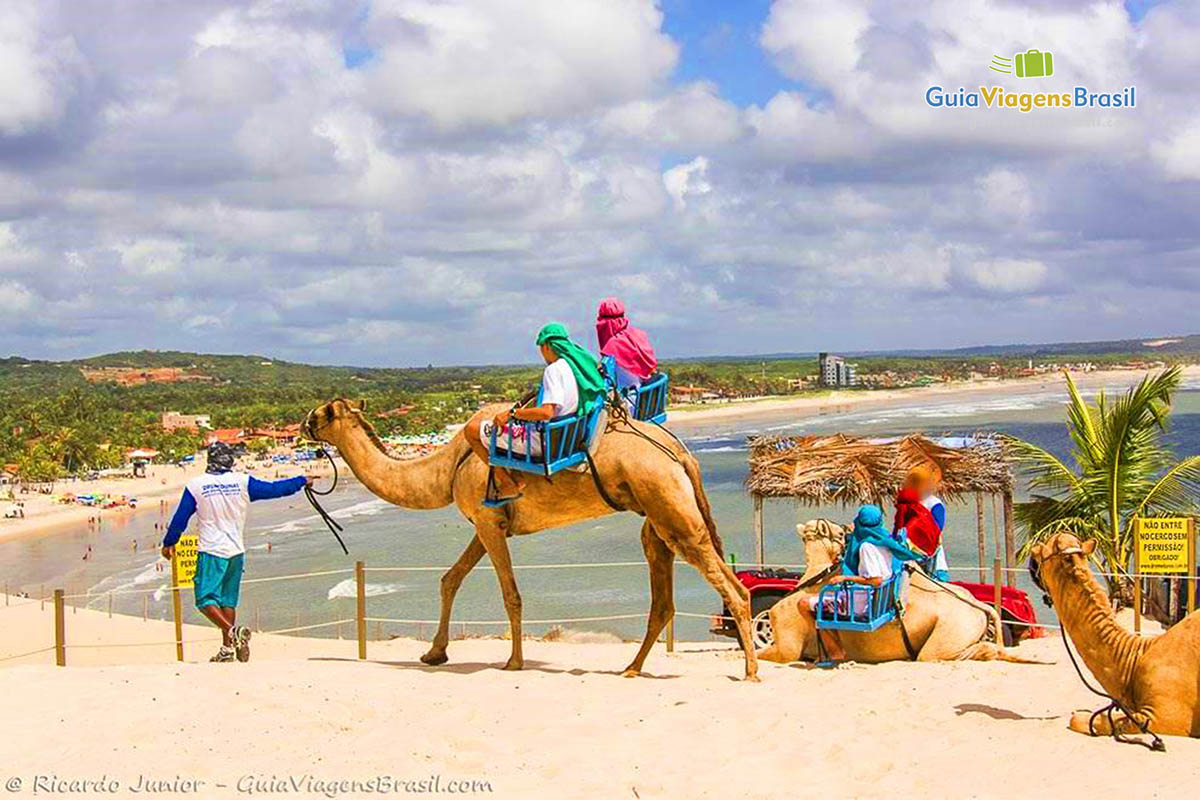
[183, 566]
[1164, 546]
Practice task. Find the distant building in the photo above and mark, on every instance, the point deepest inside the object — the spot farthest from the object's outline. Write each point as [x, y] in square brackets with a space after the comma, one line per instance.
[835, 372]
[174, 421]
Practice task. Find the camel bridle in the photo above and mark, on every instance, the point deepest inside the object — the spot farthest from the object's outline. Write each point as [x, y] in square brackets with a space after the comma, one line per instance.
[1156, 743]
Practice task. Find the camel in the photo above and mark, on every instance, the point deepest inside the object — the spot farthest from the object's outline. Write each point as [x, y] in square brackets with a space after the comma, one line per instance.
[642, 467]
[944, 623]
[1155, 677]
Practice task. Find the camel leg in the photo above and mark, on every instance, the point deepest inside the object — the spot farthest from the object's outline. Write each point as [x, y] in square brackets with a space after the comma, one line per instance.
[697, 550]
[792, 630]
[662, 594]
[1080, 719]
[492, 536]
[450, 583]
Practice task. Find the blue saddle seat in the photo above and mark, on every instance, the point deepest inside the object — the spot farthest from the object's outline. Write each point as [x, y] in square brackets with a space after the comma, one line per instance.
[858, 607]
[562, 442]
[647, 402]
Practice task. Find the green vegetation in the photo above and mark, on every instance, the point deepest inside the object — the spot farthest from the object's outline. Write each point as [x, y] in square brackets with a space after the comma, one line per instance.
[53, 421]
[1122, 472]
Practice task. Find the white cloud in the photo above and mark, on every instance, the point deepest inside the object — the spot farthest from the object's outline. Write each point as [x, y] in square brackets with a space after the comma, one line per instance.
[460, 63]
[1007, 275]
[687, 179]
[37, 71]
[1178, 155]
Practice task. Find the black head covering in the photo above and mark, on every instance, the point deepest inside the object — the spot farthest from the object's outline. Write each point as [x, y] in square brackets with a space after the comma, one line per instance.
[220, 458]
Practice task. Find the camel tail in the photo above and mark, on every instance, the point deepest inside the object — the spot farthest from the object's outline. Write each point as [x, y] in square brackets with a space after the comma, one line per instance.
[989, 651]
[692, 467]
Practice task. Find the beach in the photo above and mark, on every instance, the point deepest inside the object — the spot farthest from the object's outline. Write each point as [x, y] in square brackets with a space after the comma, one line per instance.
[567, 726]
[844, 401]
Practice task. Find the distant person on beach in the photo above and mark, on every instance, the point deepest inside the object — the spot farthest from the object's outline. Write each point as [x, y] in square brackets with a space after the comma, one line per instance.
[921, 517]
[220, 499]
[571, 381]
[629, 346]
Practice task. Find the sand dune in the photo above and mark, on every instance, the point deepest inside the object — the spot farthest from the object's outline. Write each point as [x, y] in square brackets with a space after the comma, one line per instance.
[568, 726]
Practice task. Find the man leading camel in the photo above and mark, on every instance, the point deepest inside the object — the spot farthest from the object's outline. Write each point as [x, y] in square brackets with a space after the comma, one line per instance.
[219, 499]
[571, 382]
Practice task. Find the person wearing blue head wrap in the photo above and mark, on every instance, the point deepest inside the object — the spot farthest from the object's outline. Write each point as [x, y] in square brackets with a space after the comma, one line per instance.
[867, 559]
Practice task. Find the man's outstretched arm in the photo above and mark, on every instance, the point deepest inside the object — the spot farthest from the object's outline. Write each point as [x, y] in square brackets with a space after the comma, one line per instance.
[269, 490]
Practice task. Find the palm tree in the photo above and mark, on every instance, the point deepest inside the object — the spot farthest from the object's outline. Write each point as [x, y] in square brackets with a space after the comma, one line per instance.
[1121, 472]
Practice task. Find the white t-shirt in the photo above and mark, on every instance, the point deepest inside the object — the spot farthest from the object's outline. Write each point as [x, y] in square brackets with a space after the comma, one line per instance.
[221, 505]
[874, 561]
[559, 388]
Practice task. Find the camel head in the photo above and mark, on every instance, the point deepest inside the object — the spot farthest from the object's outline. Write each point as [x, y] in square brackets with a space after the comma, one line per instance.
[823, 543]
[332, 421]
[1060, 551]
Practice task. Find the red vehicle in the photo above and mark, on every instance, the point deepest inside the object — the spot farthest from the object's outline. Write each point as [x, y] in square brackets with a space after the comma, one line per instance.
[768, 586]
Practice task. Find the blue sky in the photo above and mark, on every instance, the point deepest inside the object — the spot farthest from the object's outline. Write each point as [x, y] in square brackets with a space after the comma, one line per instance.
[420, 182]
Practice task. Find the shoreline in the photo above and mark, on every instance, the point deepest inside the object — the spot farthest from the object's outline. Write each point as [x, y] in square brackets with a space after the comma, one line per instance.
[839, 402]
[44, 517]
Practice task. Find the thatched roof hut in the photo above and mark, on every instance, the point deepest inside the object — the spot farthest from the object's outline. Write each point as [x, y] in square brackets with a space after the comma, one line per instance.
[839, 469]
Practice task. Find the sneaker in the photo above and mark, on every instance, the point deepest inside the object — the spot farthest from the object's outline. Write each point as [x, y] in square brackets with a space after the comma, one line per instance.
[241, 642]
[224, 655]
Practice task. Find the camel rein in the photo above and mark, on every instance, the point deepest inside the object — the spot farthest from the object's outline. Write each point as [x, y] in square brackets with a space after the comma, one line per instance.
[312, 494]
[1156, 743]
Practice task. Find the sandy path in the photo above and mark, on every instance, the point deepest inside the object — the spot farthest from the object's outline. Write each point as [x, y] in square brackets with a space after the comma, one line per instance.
[568, 726]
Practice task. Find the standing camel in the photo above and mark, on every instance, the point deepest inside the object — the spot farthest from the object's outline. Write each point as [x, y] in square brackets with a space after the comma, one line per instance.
[944, 623]
[650, 474]
[1155, 677]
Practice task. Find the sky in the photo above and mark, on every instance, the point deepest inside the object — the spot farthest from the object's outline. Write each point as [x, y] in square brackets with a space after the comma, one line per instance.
[405, 182]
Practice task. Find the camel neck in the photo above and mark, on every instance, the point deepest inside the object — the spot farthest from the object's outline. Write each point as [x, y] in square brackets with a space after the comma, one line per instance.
[1110, 651]
[419, 483]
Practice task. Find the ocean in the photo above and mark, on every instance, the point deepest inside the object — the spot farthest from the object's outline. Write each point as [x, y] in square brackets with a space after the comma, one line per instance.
[384, 536]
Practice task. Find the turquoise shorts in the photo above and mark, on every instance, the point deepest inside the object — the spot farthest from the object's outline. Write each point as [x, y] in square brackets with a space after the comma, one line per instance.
[218, 581]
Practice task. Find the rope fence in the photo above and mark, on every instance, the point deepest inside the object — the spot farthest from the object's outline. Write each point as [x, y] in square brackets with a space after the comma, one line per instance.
[360, 619]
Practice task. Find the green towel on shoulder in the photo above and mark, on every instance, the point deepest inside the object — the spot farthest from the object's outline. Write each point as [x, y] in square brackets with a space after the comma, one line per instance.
[583, 364]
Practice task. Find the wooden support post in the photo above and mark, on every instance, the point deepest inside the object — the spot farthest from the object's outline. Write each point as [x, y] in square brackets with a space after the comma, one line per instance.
[671, 634]
[759, 549]
[1137, 604]
[1190, 583]
[145, 607]
[1137, 576]
[1010, 539]
[360, 610]
[177, 610]
[60, 629]
[982, 532]
[997, 577]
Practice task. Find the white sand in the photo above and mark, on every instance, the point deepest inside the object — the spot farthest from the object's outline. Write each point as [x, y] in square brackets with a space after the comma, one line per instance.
[567, 726]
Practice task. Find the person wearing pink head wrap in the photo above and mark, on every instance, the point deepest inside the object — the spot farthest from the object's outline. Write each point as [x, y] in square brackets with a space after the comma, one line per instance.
[628, 345]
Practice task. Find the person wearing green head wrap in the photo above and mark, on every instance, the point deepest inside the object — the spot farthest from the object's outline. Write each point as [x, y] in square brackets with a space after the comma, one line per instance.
[571, 383]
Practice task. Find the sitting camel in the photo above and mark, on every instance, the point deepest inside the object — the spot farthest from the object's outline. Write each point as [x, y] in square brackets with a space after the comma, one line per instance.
[1155, 677]
[944, 623]
[642, 467]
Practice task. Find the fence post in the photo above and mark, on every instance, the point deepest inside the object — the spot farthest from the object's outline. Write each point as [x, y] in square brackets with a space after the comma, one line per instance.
[1137, 604]
[177, 610]
[1190, 584]
[671, 634]
[996, 578]
[60, 629]
[1010, 539]
[982, 531]
[145, 607]
[360, 611]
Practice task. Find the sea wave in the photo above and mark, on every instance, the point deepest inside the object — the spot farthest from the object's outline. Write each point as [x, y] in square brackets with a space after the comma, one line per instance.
[348, 588]
[366, 508]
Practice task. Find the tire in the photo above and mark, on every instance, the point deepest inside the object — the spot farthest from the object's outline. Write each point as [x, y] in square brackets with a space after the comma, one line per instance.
[761, 634]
